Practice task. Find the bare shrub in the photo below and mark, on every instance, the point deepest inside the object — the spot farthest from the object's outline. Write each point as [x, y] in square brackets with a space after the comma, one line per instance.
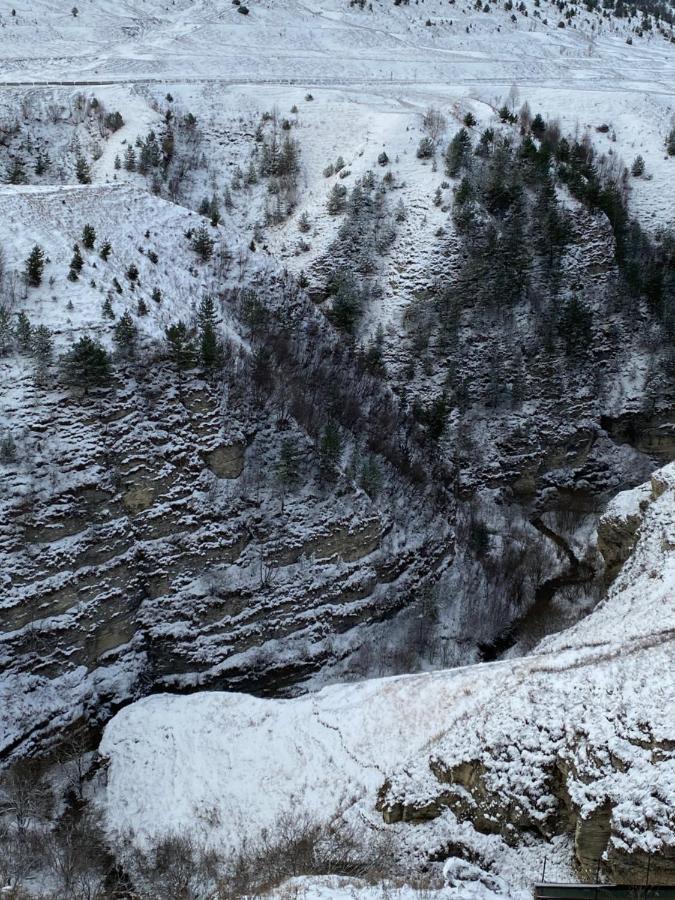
[297, 845]
[434, 123]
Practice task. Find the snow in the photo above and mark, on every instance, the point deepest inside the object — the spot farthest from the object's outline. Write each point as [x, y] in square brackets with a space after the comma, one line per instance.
[340, 888]
[226, 766]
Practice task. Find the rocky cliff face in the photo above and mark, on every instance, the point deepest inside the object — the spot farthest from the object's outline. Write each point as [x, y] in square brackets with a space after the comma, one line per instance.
[140, 536]
[566, 753]
[599, 765]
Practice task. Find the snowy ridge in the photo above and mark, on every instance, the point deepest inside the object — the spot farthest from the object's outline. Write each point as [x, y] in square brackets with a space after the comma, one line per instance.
[574, 738]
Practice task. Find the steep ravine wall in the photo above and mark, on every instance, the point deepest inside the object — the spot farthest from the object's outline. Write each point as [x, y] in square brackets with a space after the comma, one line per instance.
[143, 542]
[583, 740]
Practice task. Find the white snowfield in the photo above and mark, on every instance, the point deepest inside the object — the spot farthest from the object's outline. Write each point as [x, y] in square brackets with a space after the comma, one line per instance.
[595, 701]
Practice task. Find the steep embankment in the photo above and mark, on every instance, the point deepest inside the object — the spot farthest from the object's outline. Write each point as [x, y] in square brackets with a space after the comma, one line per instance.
[147, 536]
[567, 753]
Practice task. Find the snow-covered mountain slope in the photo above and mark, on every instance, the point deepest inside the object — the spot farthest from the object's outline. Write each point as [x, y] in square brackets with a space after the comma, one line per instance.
[328, 39]
[567, 753]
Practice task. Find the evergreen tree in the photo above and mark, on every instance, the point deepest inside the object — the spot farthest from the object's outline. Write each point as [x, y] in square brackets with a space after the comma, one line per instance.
[43, 349]
[670, 142]
[118, 162]
[76, 264]
[88, 237]
[6, 331]
[105, 251]
[512, 259]
[17, 173]
[42, 345]
[156, 295]
[82, 171]
[42, 162]
[125, 335]
[638, 167]
[330, 450]
[108, 312]
[132, 273]
[458, 154]
[210, 349]
[426, 148]
[130, 159]
[34, 266]
[24, 331]
[347, 306]
[180, 345]
[575, 324]
[538, 127]
[87, 364]
[337, 199]
[287, 467]
[370, 477]
[436, 417]
[214, 212]
[142, 307]
[202, 244]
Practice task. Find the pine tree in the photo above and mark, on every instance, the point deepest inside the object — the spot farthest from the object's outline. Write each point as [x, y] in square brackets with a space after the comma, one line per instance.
[330, 450]
[347, 307]
[426, 148]
[125, 335]
[210, 349]
[82, 171]
[458, 154]
[17, 174]
[202, 244]
[88, 237]
[287, 468]
[118, 162]
[638, 167]
[670, 142]
[142, 307]
[42, 162]
[370, 477]
[288, 161]
[130, 159]
[108, 311]
[512, 259]
[6, 331]
[24, 331]
[76, 264]
[34, 266]
[105, 251]
[156, 295]
[538, 126]
[337, 199]
[42, 343]
[180, 345]
[251, 176]
[132, 273]
[87, 364]
[43, 349]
